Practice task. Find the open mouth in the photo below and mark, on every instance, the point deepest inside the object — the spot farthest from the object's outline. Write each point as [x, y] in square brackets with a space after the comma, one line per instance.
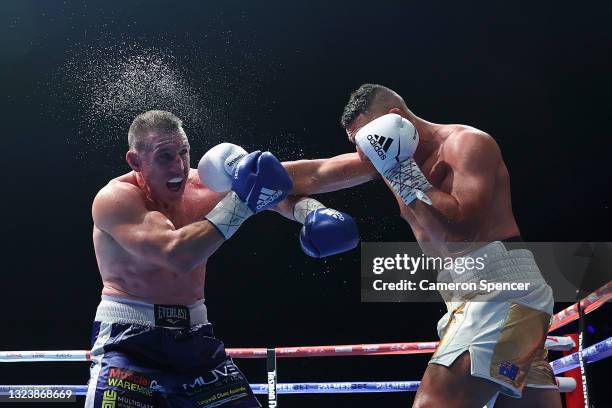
[174, 184]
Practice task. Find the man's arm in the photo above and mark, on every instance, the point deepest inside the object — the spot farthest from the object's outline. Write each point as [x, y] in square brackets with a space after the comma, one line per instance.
[286, 207]
[475, 158]
[325, 175]
[119, 210]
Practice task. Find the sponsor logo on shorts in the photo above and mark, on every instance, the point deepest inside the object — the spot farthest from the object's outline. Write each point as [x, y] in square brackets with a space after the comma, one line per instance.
[109, 398]
[171, 315]
[380, 144]
[223, 397]
[155, 386]
[508, 369]
[132, 403]
[128, 380]
[226, 373]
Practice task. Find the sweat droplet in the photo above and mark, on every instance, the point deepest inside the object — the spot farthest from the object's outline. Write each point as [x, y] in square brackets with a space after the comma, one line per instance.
[101, 88]
[112, 85]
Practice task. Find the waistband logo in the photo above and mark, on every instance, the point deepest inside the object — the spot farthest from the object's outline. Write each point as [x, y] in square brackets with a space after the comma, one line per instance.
[171, 315]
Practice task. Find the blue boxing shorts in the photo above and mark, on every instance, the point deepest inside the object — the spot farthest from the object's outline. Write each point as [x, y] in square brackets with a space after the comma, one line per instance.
[161, 356]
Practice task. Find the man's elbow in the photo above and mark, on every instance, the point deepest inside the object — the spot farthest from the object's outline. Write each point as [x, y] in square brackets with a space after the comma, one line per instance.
[305, 176]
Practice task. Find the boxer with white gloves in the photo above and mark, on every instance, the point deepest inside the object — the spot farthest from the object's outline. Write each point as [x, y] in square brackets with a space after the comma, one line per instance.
[453, 189]
[325, 232]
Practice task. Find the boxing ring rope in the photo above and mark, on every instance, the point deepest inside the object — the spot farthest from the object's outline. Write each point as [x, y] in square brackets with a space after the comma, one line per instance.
[565, 385]
[552, 343]
[594, 353]
[588, 304]
[590, 354]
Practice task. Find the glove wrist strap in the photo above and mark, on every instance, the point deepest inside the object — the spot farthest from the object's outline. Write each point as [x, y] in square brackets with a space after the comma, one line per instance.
[303, 207]
[229, 214]
[408, 181]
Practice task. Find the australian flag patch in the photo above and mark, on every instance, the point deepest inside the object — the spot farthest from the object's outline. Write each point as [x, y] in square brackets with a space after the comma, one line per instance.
[508, 369]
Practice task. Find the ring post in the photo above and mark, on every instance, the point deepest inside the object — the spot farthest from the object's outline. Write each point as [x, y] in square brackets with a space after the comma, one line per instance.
[272, 376]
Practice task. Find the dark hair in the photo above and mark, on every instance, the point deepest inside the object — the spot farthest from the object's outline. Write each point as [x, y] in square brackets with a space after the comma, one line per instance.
[157, 120]
[360, 102]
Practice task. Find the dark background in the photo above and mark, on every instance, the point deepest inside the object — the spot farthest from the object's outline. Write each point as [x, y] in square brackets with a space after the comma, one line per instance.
[276, 76]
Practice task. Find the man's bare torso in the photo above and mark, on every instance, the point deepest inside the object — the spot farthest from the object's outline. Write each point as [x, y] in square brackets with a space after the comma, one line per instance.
[495, 220]
[127, 275]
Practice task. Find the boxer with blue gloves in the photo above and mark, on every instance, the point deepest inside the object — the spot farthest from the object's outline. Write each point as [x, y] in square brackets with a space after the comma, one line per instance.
[154, 229]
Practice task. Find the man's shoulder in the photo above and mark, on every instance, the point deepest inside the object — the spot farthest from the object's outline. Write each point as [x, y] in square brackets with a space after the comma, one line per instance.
[463, 137]
[467, 134]
[118, 187]
[117, 198]
[466, 143]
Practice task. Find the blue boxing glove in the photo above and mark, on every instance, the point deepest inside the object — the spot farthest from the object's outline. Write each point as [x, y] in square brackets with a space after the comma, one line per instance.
[326, 231]
[260, 180]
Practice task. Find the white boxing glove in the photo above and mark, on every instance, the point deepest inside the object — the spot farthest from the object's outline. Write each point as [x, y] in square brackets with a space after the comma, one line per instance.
[217, 166]
[389, 142]
[215, 170]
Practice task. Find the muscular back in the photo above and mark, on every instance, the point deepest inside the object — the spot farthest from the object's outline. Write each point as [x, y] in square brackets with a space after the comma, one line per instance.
[131, 235]
[466, 167]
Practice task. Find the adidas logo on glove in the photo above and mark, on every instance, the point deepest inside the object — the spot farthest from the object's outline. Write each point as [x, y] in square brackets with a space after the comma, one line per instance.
[333, 213]
[380, 144]
[266, 197]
